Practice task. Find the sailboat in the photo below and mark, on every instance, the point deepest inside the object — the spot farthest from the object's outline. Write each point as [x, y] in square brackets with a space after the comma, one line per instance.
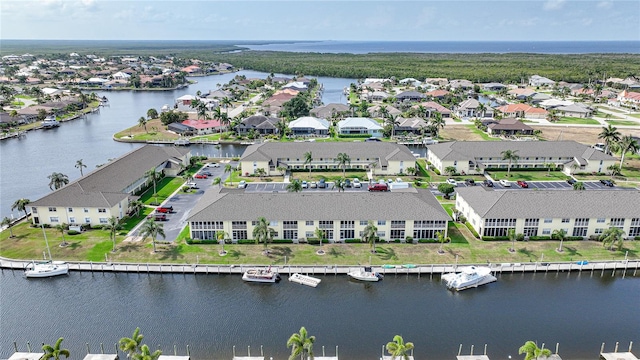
[46, 268]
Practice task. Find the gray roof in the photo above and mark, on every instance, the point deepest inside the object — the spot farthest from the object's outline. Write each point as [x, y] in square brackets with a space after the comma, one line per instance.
[330, 205]
[467, 150]
[327, 150]
[105, 185]
[500, 204]
[328, 110]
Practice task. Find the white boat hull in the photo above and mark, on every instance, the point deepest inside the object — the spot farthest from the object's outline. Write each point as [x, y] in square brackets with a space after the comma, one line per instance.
[46, 270]
[261, 276]
[365, 275]
[468, 277]
[304, 279]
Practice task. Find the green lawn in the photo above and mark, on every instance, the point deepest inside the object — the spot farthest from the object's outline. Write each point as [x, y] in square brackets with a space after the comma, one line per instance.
[612, 109]
[607, 115]
[635, 115]
[623, 122]
[165, 187]
[575, 120]
[481, 133]
[529, 175]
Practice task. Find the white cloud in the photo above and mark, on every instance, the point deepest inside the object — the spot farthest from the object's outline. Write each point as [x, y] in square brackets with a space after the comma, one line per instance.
[606, 4]
[553, 4]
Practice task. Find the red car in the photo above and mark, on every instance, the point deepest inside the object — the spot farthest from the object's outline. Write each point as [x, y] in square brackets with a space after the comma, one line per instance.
[165, 209]
[378, 187]
[522, 184]
[200, 176]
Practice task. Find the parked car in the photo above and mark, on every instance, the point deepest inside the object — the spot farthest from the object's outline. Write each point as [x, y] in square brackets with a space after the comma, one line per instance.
[398, 180]
[242, 184]
[157, 217]
[389, 181]
[304, 184]
[487, 183]
[381, 181]
[372, 140]
[452, 182]
[322, 184]
[571, 181]
[522, 184]
[164, 209]
[192, 185]
[378, 187]
[470, 182]
[313, 184]
[347, 183]
[505, 183]
[214, 164]
[205, 173]
[606, 182]
[356, 183]
[200, 176]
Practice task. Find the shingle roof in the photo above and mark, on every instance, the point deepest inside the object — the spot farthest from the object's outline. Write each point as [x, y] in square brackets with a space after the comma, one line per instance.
[331, 205]
[273, 150]
[307, 122]
[552, 203]
[359, 122]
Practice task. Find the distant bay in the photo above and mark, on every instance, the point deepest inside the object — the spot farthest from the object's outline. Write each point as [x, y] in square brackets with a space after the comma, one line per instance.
[468, 47]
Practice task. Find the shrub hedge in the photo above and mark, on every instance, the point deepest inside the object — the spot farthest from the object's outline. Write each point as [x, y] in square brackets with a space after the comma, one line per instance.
[473, 231]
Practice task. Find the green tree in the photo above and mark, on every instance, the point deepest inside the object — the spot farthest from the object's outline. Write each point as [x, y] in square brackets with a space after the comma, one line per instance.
[532, 351]
[142, 122]
[54, 352]
[308, 158]
[411, 170]
[152, 229]
[7, 222]
[262, 232]
[442, 239]
[62, 227]
[578, 185]
[152, 113]
[320, 234]
[113, 226]
[610, 135]
[295, 108]
[511, 156]
[153, 175]
[21, 205]
[57, 180]
[450, 170]
[446, 189]
[398, 348]
[343, 159]
[294, 186]
[561, 235]
[146, 354]
[612, 236]
[135, 206]
[339, 184]
[437, 123]
[229, 169]
[627, 145]
[370, 234]
[80, 165]
[511, 234]
[131, 345]
[301, 344]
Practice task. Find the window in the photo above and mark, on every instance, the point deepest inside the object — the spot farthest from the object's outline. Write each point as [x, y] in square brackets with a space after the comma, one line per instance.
[70, 209]
[580, 231]
[381, 234]
[397, 234]
[397, 224]
[54, 219]
[72, 220]
[52, 209]
[634, 229]
[347, 234]
[86, 210]
[565, 221]
[87, 220]
[599, 231]
[102, 210]
[309, 223]
[347, 224]
[239, 225]
[325, 224]
[382, 222]
[310, 234]
[531, 222]
[239, 234]
[546, 231]
[290, 234]
[290, 224]
[548, 221]
[364, 222]
[206, 225]
[617, 222]
[601, 220]
[530, 231]
[273, 223]
[103, 220]
[34, 210]
[581, 222]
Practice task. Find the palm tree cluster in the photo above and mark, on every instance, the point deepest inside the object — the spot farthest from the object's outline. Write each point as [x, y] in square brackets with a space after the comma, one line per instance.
[614, 141]
[135, 349]
[57, 180]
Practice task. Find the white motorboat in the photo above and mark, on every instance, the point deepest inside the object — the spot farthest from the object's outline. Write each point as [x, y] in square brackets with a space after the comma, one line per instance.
[469, 276]
[50, 122]
[365, 274]
[305, 279]
[46, 269]
[261, 275]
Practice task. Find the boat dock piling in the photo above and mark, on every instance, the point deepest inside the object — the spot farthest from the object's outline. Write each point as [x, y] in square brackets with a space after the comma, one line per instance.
[620, 267]
[615, 355]
[248, 357]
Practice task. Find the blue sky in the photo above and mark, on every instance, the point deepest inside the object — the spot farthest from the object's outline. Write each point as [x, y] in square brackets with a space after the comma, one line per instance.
[421, 20]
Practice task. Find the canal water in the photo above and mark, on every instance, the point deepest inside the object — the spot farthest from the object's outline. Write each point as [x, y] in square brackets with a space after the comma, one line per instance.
[25, 163]
[211, 313]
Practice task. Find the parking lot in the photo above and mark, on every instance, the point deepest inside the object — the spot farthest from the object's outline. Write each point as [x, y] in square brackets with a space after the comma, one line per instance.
[556, 185]
[282, 187]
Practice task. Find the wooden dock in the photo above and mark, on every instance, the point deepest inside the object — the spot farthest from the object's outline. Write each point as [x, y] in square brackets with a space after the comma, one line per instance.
[621, 267]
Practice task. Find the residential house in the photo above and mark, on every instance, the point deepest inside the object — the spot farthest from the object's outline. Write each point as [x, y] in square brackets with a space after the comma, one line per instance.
[473, 157]
[471, 108]
[437, 94]
[296, 85]
[509, 127]
[522, 111]
[410, 125]
[183, 103]
[410, 96]
[377, 96]
[461, 84]
[359, 125]
[219, 94]
[437, 81]
[493, 86]
[383, 157]
[181, 129]
[192, 69]
[107, 190]
[121, 76]
[259, 123]
[521, 93]
[574, 110]
[309, 126]
[203, 127]
[628, 99]
[537, 80]
[397, 215]
[329, 111]
[579, 213]
[433, 107]
[375, 110]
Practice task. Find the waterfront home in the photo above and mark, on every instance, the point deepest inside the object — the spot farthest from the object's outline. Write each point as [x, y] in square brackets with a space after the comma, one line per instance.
[296, 85]
[509, 127]
[410, 125]
[259, 123]
[309, 125]
[340, 215]
[578, 213]
[107, 190]
[203, 127]
[493, 86]
[473, 157]
[537, 80]
[522, 111]
[359, 126]
[384, 158]
[468, 108]
[328, 111]
[521, 93]
[376, 111]
[410, 96]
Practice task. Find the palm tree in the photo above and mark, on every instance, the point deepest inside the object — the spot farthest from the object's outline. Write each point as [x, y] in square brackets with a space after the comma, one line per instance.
[146, 354]
[7, 222]
[614, 170]
[512, 156]
[135, 206]
[450, 170]
[392, 122]
[398, 348]
[612, 236]
[262, 232]
[21, 205]
[229, 169]
[370, 234]
[131, 345]
[80, 165]
[411, 170]
[511, 233]
[62, 227]
[301, 344]
[308, 158]
[627, 144]
[343, 159]
[579, 185]
[153, 175]
[142, 122]
[57, 180]
[442, 239]
[339, 184]
[437, 123]
[152, 229]
[610, 135]
[113, 226]
[532, 351]
[561, 235]
[481, 109]
[294, 186]
[320, 234]
[54, 352]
